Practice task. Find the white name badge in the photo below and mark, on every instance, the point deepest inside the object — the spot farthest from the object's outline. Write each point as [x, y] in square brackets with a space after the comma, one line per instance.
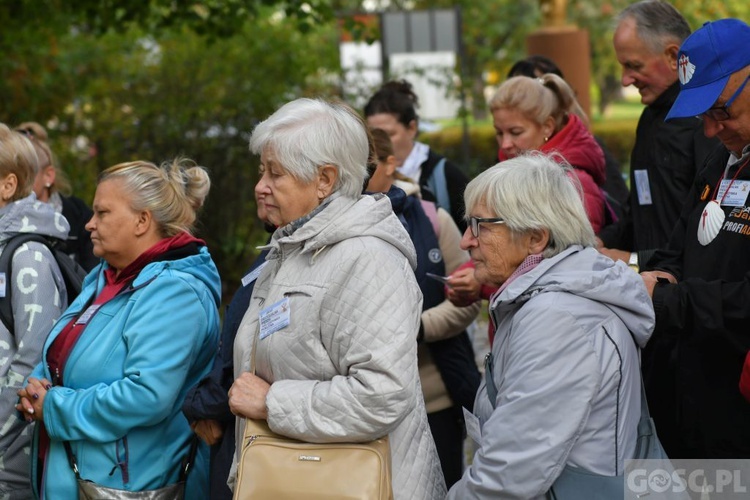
[737, 194]
[642, 187]
[473, 428]
[274, 317]
[253, 275]
[3, 283]
[86, 316]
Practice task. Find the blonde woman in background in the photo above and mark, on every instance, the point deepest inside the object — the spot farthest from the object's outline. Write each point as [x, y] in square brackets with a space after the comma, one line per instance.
[52, 186]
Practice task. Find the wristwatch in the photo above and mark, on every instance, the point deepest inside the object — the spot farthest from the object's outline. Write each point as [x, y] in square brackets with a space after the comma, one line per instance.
[633, 261]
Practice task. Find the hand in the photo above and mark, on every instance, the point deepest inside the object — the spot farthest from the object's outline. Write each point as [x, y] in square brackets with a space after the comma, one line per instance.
[615, 254]
[650, 279]
[31, 399]
[463, 288]
[209, 430]
[247, 396]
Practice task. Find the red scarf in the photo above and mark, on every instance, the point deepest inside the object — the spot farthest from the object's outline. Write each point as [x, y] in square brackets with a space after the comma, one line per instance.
[62, 346]
[579, 148]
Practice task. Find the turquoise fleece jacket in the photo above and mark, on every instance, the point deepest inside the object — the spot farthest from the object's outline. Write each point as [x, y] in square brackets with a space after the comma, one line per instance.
[126, 378]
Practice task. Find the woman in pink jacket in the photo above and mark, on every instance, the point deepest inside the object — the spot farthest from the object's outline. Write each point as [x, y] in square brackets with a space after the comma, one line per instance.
[541, 114]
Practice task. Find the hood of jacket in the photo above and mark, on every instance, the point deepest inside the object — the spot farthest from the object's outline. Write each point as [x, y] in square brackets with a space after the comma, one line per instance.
[29, 215]
[343, 218]
[199, 265]
[586, 273]
[576, 144]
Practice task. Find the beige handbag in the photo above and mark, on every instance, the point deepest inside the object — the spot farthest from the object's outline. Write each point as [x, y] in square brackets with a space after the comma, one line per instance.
[275, 467]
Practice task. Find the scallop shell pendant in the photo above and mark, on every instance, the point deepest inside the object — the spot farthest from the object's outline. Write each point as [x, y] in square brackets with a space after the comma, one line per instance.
[711, 221]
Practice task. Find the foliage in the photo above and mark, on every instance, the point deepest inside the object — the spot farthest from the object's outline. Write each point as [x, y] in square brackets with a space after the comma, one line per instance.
[139, 95]
[494, 36]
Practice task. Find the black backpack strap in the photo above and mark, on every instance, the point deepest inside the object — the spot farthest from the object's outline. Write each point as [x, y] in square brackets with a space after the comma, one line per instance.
[6, 264]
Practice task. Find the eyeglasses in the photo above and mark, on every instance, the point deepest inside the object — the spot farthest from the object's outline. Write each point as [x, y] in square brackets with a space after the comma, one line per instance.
[721, 113]
[27, 132]
[475, 221]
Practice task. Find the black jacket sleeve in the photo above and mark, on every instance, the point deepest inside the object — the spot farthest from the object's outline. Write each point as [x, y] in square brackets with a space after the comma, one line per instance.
[209, 399]
[712, 304]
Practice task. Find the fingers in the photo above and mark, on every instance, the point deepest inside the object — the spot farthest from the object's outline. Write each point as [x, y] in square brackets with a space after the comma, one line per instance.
[25, 407]
[217, 431]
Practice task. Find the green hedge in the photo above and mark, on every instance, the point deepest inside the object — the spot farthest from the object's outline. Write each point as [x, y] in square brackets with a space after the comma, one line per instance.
[617, 135]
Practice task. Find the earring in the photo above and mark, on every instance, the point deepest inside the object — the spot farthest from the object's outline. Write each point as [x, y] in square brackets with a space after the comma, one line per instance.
[546, 139]
[48, 185]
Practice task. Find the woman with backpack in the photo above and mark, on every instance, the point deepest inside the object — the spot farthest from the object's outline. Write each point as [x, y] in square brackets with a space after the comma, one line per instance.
[35, 292]
[393, 109]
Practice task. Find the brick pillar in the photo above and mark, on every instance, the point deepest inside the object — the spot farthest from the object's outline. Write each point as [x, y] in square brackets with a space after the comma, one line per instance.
[569, 48]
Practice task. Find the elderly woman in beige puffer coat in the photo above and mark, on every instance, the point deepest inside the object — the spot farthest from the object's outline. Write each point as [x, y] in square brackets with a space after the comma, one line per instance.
[344, 365]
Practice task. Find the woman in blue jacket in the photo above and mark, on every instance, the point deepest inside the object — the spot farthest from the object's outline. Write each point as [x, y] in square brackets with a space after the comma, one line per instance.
[144, 329]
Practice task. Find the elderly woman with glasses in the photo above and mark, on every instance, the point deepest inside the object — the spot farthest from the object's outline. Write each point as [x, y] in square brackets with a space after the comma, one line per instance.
[339, 363]
[562, 389]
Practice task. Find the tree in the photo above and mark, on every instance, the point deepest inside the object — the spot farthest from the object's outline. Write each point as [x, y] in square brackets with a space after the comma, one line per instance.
[139, 94]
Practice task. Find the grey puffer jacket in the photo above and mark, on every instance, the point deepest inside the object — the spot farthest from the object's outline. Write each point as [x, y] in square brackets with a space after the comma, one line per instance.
[345, 368]
[567, 374]
[38, 299]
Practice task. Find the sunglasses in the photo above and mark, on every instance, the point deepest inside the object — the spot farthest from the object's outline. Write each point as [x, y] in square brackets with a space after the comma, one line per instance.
[474, 223]
[721, 113]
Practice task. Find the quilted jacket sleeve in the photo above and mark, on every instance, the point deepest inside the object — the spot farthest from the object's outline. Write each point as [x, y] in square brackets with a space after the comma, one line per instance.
[369, 321]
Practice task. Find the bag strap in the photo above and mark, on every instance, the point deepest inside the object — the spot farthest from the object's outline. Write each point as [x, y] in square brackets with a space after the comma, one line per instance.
[71, 459]
[189, 459]
[430, 210]
[439, 186]
[489, 380]
[6, 266]
[184, 469]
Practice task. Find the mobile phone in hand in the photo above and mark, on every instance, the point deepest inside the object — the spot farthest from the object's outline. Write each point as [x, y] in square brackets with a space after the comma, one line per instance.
[437, 277]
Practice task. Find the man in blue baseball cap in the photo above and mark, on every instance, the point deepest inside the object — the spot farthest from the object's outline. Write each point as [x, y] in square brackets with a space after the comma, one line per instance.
[700, 284]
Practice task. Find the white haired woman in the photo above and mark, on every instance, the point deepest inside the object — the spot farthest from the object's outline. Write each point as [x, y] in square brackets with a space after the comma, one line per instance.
[564, 362]
[343, 365]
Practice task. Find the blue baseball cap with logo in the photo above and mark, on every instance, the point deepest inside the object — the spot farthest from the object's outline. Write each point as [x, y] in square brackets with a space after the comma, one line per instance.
[706, 60]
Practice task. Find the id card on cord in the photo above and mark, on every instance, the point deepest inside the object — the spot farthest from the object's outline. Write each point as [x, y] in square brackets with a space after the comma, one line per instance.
[274, 317]
[253, 275]
[642, 187]
[737, 194]
[473, 427]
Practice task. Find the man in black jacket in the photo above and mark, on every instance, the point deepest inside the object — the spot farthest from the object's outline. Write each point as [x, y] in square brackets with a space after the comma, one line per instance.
[700, 283]
[665, 159]
[666, 156]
